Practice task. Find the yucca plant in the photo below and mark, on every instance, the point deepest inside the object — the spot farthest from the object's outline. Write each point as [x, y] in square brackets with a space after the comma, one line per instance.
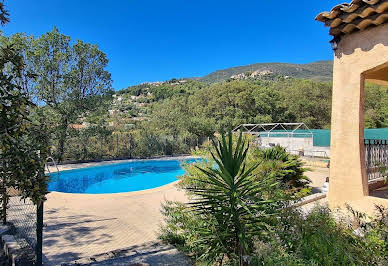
[231, 201]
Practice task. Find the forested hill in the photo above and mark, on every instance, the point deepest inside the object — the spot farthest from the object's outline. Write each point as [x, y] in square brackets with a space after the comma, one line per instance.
[320, 70]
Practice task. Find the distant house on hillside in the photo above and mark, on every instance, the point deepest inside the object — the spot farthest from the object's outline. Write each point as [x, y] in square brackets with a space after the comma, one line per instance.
[78, 126]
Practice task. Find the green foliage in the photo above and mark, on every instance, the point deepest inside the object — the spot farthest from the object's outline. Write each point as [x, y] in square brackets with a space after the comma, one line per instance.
[297, 238]
[326, 245]
[184, 229]
[173, 118]
[290, 167]
[306, 101]
[374, 230]
[175, 88]
[102, 142]
[320, 239]
[230, 203]
[275, 166]
[376, 106]
[136, 90]
[70, 80]
[226, 105]
[4, 15]
[23, 148]
[165, 90]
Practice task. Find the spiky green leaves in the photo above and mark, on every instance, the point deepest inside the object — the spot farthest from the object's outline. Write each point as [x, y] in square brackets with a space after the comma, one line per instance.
[232, 198]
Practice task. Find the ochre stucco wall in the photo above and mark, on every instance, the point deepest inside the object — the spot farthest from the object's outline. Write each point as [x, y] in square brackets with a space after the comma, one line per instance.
[357, 53]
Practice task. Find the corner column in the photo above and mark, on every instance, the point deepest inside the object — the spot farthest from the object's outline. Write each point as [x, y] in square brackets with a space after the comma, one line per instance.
[348, 179]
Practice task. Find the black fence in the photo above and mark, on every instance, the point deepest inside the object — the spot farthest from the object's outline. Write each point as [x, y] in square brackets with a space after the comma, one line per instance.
[25, 220]
[376, 159]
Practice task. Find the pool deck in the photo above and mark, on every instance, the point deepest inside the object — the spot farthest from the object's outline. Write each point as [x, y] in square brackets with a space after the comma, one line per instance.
[80, 226]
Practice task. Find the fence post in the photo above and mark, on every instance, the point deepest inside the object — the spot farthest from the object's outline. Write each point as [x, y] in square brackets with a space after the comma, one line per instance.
[39, 233]
[4, 202]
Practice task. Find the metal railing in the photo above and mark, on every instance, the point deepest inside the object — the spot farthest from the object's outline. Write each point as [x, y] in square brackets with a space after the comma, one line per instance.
[276, 129]
[376, 159]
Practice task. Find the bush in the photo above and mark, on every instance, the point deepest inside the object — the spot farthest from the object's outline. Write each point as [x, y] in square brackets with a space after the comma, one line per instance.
[291, 167]
[284, 169]
[320, 239]
[184, 229]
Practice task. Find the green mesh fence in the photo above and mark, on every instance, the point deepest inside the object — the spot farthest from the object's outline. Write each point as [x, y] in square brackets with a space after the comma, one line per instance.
[379, 133]
[322, 136]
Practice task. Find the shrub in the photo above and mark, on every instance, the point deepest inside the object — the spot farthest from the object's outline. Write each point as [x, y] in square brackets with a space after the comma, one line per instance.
[319, 239]
[184, 229]
[290, 167]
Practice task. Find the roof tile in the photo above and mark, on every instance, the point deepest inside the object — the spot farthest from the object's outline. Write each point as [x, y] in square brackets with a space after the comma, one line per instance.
[355, 16]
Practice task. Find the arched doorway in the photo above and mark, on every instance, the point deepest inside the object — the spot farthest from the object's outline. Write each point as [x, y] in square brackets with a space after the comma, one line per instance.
[376, 149]
[377, 75]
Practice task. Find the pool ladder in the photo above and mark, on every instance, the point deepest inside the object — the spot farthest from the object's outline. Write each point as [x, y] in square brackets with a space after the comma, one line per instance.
[56, 166]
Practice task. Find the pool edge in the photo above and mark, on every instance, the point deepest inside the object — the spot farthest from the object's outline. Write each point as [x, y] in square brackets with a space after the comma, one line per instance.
[69, 167]
[130, 193]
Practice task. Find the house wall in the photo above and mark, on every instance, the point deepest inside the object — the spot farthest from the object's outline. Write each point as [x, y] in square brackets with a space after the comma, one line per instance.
[289, 143]
[357, 54]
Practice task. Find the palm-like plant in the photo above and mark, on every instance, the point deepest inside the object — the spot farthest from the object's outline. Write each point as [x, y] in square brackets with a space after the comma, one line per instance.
[231, 201]
[291, 167]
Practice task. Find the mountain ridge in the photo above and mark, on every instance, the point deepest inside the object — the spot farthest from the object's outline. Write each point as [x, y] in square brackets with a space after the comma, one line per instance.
[321, 70]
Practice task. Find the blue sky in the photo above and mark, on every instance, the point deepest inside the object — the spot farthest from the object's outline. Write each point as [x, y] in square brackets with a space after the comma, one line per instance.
[152, 40]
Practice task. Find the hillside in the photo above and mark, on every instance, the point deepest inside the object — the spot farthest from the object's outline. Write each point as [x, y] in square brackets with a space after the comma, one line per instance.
[176, 116]
[320, 70]
[135, 102]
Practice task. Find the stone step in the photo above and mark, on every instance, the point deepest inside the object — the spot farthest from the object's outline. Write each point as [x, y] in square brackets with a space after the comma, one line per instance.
[10, 248]
[150, 253]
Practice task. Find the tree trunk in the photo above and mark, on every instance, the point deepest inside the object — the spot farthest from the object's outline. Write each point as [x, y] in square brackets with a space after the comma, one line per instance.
[62, 140]
[84, 150]
[131, 145]
[4, 202]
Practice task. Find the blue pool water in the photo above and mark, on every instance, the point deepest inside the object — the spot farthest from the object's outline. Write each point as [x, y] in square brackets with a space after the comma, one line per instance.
[115, 178]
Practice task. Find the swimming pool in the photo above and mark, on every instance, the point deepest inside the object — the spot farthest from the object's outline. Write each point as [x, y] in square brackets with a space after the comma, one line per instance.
[120, 177]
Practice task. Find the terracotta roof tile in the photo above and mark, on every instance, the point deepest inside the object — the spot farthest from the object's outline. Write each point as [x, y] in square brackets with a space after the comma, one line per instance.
[355, 16]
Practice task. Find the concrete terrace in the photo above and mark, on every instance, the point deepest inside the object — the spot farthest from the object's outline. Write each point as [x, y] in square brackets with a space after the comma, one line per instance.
[82, 225]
